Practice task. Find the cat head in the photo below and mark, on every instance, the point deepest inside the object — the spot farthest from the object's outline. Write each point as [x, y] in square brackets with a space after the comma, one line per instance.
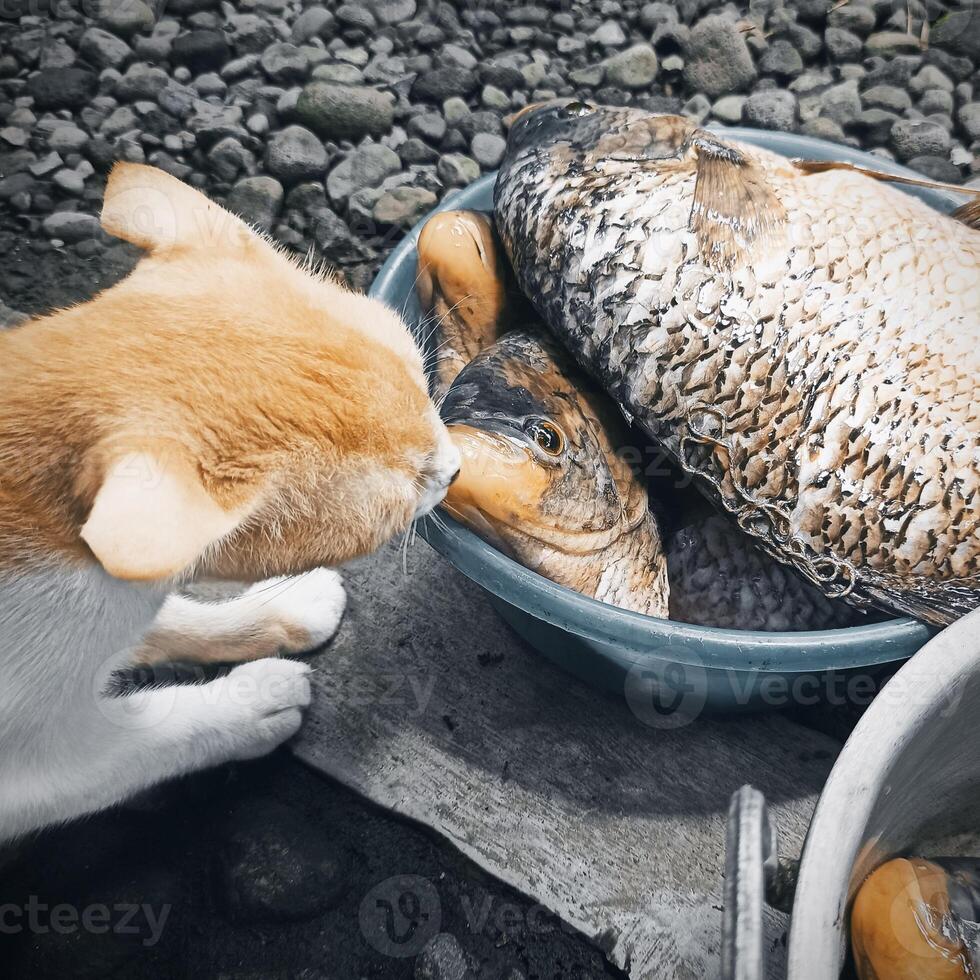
[225, 411]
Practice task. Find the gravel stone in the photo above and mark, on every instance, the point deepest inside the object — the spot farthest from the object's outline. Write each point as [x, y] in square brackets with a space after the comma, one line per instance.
[609, 34]
[257, 199]
[228, 158]
[356, 16]
[393, 11]
[61, 88]
[857, 17]
[936, 167]
[141, 81]
[488, 150]
[969, 119]
[210, 123]
[67, 138]
[15, 136]
[365, 167]
[429, 126]
[313, 22]
[403, 206]
[842, 45]
[200, 50]
[634, 68]
[339, 72]
[70, 226]
[919, 137]
[652, 15]
[104, 50]
[442, 958]
[125, 19]
[442, 83]
[957, 29]
[590, 77]
[295, 154]
[889, 97]
[782, 59]
[70, 181]
[774, 109]
[823, 128]
[47, 164]
[284, 62]
[875, 124]
[503, 76]
[697, 106]
[345, 111]
[414, 150]
[891, 43]
[717, 59]
[842, 103]
[729, 108]
[936, 100]
[931, 77]
[210, 84]
[457, 170]
[896, 71]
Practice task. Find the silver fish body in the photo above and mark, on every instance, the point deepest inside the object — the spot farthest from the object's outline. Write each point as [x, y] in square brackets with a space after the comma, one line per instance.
[806, 344]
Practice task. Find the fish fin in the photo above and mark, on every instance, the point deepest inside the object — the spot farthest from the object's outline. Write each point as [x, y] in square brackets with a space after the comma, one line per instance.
[968, 213]
[734, 206]
[937, 605]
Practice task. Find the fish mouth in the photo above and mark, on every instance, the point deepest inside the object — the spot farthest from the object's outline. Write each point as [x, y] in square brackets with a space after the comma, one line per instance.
[499, 481]
[501, 493]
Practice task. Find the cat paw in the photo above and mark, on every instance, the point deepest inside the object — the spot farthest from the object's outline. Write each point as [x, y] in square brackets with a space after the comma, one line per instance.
[260, 705]
[306, 609]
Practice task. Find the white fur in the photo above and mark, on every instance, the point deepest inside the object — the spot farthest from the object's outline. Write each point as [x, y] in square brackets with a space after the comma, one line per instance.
[68, 748]
[312, 604]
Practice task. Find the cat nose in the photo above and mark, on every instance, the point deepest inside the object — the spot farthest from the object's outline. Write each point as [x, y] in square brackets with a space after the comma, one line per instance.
[455, 476]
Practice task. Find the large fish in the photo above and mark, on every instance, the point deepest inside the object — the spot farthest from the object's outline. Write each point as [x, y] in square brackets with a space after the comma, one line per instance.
[805, 340]
[547, 477]
[551, 473]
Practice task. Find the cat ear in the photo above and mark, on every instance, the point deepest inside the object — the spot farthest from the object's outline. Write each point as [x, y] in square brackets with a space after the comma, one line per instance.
[158, 212]
[152, 518]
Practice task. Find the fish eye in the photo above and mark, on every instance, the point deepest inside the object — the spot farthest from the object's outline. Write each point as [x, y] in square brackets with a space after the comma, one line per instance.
[547, 436]
[577, 109]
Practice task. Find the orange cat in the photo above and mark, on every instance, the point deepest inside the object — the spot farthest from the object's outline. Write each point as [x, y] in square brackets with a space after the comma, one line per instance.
[221, 412]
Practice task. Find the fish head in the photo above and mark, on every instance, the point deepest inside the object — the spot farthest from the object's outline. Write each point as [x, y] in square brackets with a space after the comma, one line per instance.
[541, 469]
[572, 132]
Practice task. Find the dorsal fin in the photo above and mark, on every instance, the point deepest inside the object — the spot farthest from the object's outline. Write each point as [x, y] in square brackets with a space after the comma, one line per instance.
[734, 206]
[968, 213]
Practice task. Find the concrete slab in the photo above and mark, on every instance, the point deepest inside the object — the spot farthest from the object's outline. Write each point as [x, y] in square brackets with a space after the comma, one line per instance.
[430, 706]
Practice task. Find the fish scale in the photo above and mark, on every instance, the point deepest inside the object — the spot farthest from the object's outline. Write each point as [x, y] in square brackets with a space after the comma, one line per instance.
[822, 388]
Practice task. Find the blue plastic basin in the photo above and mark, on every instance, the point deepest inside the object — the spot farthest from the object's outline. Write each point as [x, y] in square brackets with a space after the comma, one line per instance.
[668, 671]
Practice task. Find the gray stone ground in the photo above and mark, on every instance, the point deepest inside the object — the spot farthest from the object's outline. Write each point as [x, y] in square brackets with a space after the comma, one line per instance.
[335, 127]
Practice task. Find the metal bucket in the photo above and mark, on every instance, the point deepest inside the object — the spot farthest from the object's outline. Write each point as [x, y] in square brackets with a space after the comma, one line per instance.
[907, 782]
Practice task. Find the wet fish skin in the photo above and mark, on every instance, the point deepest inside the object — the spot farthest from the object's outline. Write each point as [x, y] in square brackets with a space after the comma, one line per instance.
[806, 344]
[465, 289]
[579, 517]
[718, 578]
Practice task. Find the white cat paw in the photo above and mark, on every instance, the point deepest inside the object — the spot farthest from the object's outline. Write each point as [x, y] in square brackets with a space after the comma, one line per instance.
[260, 705]
[307, 608]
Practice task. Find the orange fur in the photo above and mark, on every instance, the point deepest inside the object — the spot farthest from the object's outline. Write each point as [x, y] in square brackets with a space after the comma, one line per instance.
[289, 399]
